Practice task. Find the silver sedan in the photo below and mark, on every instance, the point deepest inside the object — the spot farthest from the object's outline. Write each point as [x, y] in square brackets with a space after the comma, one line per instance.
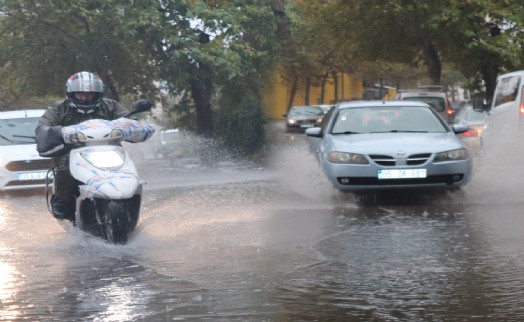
[367, 145]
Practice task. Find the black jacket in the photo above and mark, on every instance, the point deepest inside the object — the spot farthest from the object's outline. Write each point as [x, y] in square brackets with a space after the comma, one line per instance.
[49, 142]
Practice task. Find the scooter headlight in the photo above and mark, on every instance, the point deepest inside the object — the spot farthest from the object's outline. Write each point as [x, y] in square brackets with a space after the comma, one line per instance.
[115, 134]
[106, 160]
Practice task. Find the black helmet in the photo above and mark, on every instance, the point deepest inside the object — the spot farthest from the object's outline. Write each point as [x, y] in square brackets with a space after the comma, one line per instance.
[88, 83]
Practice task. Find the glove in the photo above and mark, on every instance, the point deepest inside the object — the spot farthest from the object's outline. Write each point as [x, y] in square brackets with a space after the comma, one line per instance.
[49, 142]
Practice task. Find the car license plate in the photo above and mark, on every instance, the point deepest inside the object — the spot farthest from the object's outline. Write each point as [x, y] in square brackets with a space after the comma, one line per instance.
[306, 125]
[402, 174]
[31, 176]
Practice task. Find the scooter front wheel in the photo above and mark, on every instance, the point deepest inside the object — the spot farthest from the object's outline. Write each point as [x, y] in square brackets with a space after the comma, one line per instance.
[117, 225]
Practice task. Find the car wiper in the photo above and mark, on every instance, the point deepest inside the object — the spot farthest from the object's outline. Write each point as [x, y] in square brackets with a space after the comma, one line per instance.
[406, 131]
[32, 137]
[346, 132]
[18, 141]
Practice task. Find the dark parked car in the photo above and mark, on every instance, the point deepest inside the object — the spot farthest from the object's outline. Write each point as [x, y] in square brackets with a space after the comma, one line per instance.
[302, 117]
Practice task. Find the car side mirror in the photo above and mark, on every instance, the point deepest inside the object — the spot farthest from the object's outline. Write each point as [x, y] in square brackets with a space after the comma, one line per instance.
[314, 132]
[460, 128]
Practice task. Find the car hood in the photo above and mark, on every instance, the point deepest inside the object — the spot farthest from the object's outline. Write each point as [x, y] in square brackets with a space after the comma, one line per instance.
[19, 152]
[391, 143]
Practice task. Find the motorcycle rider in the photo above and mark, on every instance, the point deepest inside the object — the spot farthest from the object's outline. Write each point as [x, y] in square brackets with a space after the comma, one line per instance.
[84, 101]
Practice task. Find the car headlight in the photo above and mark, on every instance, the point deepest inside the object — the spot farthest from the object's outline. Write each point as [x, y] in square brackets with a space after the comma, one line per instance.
[291, 121]
[106, 160]
[453, 155]
[344, 157]
[319, 120]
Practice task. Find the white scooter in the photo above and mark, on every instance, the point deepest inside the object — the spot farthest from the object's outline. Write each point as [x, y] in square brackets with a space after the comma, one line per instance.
[110, 189]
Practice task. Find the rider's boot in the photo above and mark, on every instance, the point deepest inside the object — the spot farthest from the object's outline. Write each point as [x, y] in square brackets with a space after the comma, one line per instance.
[62, 209]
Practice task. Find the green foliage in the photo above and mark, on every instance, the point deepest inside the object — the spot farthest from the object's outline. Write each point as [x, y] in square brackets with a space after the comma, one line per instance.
[240, 122]
[226, 49]
[479, 38]
[43, 42]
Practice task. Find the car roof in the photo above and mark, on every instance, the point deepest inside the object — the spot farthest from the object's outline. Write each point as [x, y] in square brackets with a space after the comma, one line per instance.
[21, 113]
[515, 73]
[377, 103]
[421, 93]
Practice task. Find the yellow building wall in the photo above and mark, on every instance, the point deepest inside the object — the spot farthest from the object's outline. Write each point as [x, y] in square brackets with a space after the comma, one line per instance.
[276, 94]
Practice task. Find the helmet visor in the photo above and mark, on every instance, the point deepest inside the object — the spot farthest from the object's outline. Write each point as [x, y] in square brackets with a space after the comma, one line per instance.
[84, 82]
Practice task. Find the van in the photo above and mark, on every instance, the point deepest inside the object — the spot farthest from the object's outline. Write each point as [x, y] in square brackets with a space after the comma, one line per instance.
[506, 109]
[508, 98]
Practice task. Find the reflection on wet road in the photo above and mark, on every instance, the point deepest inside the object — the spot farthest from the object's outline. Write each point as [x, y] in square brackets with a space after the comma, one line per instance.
[279, 245]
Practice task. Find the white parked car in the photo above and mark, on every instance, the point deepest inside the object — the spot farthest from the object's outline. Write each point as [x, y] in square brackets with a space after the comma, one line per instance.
[20, 165]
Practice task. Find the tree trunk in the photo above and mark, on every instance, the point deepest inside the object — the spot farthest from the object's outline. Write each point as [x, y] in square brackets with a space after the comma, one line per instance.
[201, 92]
[283, 28]
[323, 87]
[335, 83]
[489, 75]
[308, 85]
[110, 85]
[292, 93]
[433, 63]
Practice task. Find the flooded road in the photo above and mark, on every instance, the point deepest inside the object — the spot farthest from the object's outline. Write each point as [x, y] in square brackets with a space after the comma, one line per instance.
[275, 243]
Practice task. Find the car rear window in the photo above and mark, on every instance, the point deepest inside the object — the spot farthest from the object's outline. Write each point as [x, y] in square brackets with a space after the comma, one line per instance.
[437, 103]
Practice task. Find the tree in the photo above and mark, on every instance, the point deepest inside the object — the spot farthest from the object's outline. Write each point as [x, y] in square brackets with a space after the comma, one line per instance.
[203, 47]
[481, 38]
[488, 39]
[44, 42]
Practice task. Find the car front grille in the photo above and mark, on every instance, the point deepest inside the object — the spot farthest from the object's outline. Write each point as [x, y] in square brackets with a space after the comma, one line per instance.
[448, 179]
[383, 160]
[389, 161]
[417, 159]
[18, 183]
[30, 165]
[298, 122]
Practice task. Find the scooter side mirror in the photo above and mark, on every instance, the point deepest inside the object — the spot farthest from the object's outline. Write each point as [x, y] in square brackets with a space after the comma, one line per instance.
[141, 106]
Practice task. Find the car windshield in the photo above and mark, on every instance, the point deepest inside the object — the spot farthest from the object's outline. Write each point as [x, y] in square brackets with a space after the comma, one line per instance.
[380, 119]
[18, 130]
[306, 110]
[438, 103]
